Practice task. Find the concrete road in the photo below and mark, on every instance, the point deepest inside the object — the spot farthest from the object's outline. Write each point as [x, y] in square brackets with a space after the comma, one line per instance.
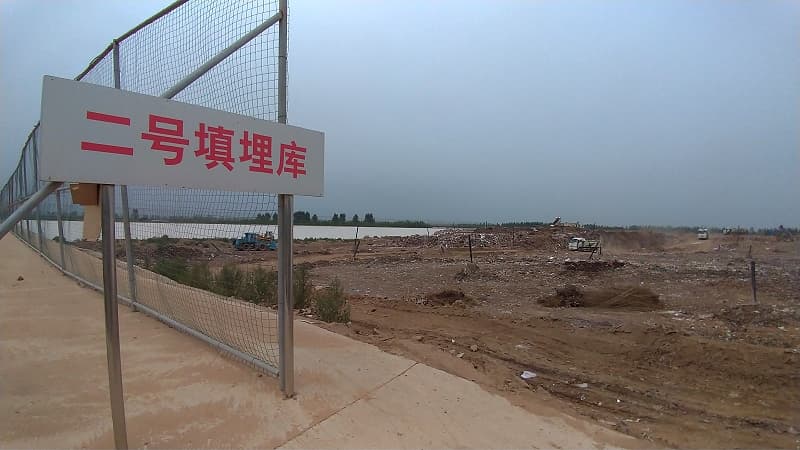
[182, 393]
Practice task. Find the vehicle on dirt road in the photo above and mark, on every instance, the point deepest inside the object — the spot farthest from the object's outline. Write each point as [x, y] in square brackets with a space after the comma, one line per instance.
[702, 234]
[255, 241]
[580, 244]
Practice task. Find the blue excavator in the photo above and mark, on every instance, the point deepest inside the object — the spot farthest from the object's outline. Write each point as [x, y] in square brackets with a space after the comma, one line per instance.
[256, 242]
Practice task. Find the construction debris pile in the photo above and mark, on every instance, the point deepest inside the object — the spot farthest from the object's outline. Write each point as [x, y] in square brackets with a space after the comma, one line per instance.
[550, 239]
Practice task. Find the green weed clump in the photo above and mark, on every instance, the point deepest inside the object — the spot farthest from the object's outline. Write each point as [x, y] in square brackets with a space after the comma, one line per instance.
[302, 290]
[200, 276]
[161, 242]
[330, 304]
[259, 286]
[228, 281]
[173, 268]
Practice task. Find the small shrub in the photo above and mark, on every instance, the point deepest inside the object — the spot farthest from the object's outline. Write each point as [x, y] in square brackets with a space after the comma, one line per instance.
[259, 286]
[331, 305]
[200, 276]
[160, 242]
[302, 289]
[172, 268]
[228, 280]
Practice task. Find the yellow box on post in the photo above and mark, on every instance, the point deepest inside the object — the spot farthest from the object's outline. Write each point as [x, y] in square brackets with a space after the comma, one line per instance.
[87, 195]
[84, 194]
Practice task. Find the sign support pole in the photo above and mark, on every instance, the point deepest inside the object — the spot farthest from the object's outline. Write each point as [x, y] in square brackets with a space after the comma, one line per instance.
[112, 316]
[285, 263]
[113, 353]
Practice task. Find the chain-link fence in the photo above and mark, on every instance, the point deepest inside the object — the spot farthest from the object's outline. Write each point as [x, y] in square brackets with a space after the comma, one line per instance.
[199, 260]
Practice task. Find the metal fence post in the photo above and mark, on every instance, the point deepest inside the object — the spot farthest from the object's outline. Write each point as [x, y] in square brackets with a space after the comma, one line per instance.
[129, 256]
[39, 229]
[25, 192]
[123, 193]
[753, 280]
[35, 151]
[60, 220]
[113, 356]
[285, 299]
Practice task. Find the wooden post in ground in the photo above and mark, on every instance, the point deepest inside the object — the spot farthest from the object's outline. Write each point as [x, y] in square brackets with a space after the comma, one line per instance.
[355, 245]
[753, 280]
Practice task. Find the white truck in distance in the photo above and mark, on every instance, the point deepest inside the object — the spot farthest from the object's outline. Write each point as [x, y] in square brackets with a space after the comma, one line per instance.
[580, 244]
[702, 234]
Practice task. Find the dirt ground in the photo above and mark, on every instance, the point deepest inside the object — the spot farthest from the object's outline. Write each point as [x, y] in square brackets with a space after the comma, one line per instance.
[706, 368]
[703, 367]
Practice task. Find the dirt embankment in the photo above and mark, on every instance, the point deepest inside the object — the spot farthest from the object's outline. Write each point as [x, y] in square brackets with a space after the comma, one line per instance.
[615, 297]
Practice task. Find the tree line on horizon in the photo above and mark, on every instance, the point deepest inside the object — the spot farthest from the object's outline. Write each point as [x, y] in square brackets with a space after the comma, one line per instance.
[306, 218]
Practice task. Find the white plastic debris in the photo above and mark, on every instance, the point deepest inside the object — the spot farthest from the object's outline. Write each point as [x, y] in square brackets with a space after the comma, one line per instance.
[527, 375]
[582, 385]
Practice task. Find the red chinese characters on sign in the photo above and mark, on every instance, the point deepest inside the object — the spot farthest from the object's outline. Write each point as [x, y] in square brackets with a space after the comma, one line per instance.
[293, 160]
[218, 148]
[215, 143]
[167, 136]
[107, 148]
[257, 150]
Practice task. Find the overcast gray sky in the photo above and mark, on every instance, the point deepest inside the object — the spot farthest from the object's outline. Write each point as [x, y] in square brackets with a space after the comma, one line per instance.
[614, 112]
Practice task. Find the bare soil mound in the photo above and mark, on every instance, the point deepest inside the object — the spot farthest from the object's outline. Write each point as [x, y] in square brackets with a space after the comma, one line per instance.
[447, 297]
[616, 297]
[593, 266]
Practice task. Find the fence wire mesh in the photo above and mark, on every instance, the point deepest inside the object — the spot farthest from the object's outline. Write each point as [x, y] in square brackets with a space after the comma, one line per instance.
[188, 266]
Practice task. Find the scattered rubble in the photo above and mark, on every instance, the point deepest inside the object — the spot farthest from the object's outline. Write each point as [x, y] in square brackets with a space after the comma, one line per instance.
[468, 271]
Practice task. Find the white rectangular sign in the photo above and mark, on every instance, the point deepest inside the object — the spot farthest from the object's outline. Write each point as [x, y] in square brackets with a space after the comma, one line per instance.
[95, 134]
